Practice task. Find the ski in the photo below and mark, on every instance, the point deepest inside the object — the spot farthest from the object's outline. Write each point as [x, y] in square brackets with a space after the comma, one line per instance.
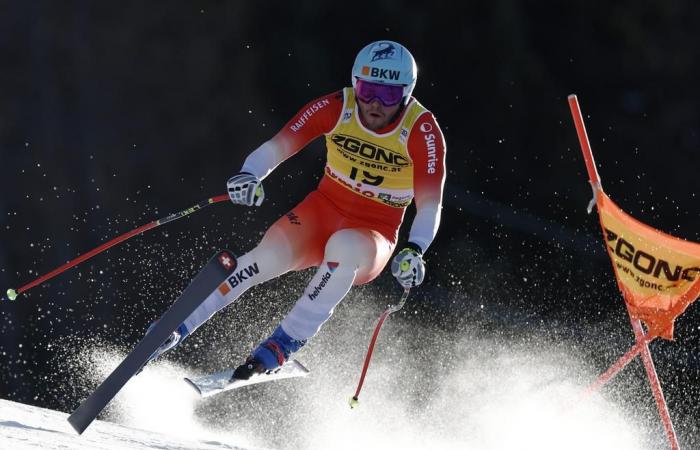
[219, 267]
[209, 385]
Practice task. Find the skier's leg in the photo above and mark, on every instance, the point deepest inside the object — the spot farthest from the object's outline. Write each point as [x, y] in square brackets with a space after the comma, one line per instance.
[291, 243]
[271, 258]
[352, 256]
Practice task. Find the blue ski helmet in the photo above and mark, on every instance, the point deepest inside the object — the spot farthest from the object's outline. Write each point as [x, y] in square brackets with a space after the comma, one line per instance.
[386, 62]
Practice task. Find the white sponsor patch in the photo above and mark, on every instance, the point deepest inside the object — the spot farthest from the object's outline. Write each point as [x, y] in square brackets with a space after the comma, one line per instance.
[403, 136]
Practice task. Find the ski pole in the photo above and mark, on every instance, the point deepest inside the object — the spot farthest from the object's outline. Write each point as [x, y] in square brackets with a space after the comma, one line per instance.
[12, 293]
[354, 400]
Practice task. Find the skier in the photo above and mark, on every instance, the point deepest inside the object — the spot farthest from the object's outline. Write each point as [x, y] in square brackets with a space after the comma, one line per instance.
[384, 149]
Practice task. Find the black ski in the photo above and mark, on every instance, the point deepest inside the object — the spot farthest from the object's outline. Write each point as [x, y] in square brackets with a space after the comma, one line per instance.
[209, 278]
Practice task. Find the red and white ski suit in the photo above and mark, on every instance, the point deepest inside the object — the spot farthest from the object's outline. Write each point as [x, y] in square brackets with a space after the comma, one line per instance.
[348, 226]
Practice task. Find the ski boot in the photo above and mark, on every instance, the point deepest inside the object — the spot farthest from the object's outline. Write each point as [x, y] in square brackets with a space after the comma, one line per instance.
[250, 367]
[269, 355]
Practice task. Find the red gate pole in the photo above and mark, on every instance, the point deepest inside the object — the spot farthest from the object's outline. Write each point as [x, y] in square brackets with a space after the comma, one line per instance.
[654, 383]
[617, 367]
[639, 333]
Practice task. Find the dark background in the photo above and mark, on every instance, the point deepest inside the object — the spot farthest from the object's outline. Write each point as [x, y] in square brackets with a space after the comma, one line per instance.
[115, 114]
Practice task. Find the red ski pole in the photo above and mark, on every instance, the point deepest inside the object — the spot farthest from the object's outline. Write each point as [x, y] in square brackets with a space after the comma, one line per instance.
[354, 400]
[12, 293]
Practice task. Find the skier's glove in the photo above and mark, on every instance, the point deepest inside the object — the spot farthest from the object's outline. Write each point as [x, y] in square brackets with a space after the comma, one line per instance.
[245, 189]
[408, 266]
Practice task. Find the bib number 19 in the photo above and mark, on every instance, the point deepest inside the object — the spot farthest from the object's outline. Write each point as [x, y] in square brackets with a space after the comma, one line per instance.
[368, 178]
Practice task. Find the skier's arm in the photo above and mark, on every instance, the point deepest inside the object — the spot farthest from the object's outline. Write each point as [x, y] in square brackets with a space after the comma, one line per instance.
[316, 118]
[426, 146]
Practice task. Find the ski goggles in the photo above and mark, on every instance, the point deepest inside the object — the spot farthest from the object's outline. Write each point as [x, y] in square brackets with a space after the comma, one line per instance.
[387, 94]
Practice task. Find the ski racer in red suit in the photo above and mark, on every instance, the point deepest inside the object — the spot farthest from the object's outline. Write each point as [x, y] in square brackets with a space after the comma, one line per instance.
[384, 150]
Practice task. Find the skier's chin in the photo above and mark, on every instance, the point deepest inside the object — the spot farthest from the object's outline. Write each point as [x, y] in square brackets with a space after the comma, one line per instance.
[375, 121]
[374, 116]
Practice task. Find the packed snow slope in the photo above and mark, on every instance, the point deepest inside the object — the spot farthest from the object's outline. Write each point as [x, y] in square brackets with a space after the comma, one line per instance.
[31, 427]
[485, 396]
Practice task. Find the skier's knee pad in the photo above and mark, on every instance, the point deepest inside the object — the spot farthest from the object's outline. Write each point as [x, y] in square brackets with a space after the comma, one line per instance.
[350, 246]
[363, 250]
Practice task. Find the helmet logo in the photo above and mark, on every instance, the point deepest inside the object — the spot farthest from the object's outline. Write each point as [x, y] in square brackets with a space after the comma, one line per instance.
[386, 52]
[386, 74]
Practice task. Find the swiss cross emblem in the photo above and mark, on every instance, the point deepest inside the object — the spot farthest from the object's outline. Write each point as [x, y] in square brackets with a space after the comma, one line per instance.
[226, 261]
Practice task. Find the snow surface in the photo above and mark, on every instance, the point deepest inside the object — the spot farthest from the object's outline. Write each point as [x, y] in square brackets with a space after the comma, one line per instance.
[30, 427]
[493, 399]
[444, 387]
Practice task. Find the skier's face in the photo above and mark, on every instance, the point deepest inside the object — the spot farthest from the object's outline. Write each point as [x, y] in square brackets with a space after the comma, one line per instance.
[376, 116]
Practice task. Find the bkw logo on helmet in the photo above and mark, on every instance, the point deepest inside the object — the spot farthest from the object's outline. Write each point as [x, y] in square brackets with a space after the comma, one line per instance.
[385, 74]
